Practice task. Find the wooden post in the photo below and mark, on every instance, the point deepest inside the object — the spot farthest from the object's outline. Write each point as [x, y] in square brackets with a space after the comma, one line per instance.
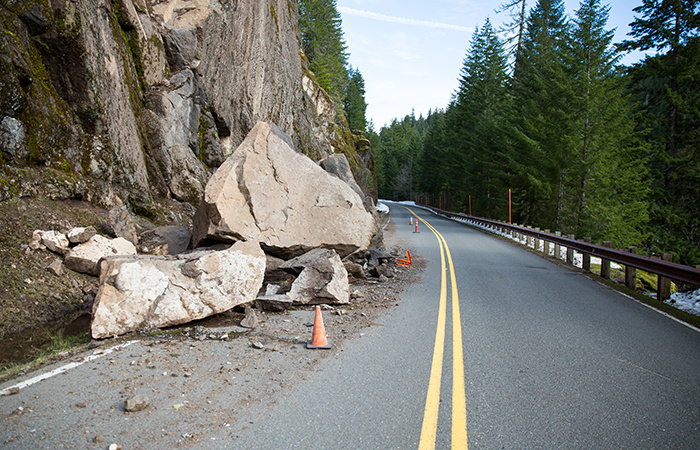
[663, 285]
[631, 272]
[570, 251]
[605, 263]
[546, 244]
[537, 241]
[557, 247]
[587, 257]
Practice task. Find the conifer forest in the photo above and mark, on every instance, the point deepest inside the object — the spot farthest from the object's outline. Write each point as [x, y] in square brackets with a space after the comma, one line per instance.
[544, 108]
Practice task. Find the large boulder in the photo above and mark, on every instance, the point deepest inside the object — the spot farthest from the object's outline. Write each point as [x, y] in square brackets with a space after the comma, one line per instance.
[267, 192]
[160, 291]
[322, 278]
[337, 165]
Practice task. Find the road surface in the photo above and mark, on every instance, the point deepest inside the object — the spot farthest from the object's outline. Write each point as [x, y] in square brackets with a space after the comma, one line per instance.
[496, 347]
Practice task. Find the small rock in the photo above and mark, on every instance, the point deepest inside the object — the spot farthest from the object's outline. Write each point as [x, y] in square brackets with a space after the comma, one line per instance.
[115, 447]
[98, 439]
[55, 241]
[251, 319]
[56, 267]
[224, 337]
[178, 406]
[257, 345]
[81, 405]
[137, 403]
[80, 235]
[356, 295]
[10, 391]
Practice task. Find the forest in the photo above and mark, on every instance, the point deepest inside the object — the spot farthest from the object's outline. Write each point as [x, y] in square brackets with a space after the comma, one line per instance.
[544, 109]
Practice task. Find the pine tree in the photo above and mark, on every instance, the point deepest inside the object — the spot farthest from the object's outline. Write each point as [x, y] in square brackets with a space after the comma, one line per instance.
[666, 87]
[606, 181]
[324, 45]
[541, 118]
[477, 117]
[355, 104]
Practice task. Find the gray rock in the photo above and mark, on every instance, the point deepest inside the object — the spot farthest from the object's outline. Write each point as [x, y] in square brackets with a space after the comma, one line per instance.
[85, 258]
[152, 291]
[354, 269]
[56, 267]
[337, 165]
[123, 226]
[12, 136]
[322, 278]
[382, 270]
[273, 303]
[169, 240]
[251, 319]
[81, 235]
[268, 192]
[55, 241]
[136, 403]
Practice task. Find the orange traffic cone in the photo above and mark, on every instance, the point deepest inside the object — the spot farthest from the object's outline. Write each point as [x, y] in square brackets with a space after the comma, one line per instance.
[411, 221]
[318, 338]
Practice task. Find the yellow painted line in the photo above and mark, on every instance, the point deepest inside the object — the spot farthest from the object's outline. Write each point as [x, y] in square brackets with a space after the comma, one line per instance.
[428, 432]
[459, 402]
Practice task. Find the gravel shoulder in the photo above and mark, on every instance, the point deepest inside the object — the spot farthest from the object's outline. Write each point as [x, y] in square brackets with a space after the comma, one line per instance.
[198, 379]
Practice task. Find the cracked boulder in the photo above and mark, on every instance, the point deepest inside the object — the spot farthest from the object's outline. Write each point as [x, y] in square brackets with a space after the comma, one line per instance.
[142, 292]
[321, 278]
[266, 191]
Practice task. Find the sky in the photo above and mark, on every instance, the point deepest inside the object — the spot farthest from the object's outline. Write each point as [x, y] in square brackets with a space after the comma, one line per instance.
[410, 52]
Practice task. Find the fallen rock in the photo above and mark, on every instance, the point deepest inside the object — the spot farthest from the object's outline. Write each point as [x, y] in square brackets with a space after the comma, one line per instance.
[85, 258]
[322, 278]
[136, 403]
[159, 291]
[170, 240]
[354, 269]
[273, 303]
[382, 270]
[55, 241]
[337, 165]
[122, 224]
[56, 267]
[80, 235]
[266, 191]
[251, 319]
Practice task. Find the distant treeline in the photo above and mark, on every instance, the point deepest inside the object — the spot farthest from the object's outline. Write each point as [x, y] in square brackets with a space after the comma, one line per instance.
[587, 146]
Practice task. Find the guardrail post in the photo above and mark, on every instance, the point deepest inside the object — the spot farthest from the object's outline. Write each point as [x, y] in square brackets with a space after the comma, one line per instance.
[663, 285]
[631, 272]
[546, 244]
[557, 247]
[537, 241]
[570, 251]
[605, 263]
[587, 256]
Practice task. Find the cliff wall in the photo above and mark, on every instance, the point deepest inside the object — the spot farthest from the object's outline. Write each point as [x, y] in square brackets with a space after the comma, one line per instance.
[135, 101]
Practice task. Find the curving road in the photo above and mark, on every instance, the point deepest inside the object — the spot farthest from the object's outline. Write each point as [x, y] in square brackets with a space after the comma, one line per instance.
[495, 347]
[550, 359]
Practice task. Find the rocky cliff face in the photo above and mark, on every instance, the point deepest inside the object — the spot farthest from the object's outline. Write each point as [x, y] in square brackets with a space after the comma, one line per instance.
[132, 101]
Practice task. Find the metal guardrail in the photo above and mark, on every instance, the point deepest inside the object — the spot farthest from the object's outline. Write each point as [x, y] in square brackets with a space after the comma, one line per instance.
[673, 271]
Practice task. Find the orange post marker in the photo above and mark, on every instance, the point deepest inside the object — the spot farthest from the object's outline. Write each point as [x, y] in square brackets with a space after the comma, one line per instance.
[411, 223]
[405, 262]
[318, 338]
[416, 231]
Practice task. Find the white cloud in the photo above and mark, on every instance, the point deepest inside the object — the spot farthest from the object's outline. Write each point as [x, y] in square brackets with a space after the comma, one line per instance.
[401, 20]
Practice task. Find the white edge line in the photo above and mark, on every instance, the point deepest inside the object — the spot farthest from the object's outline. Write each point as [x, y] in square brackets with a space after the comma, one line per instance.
[67, 367]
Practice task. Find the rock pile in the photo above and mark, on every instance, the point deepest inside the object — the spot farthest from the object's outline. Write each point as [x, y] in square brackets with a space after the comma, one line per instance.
[276, 224]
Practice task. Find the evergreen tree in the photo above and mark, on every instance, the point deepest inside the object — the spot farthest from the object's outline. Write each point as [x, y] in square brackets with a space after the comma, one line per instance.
[324, 46]
[666, 87]
[355, 104]
[541, 118]
[477, 117]
[607, 191]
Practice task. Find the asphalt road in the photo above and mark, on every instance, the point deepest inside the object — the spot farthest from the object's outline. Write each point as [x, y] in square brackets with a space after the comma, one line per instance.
[551, 359]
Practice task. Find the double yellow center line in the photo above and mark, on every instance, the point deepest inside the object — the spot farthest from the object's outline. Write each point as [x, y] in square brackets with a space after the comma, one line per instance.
[432, 402]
